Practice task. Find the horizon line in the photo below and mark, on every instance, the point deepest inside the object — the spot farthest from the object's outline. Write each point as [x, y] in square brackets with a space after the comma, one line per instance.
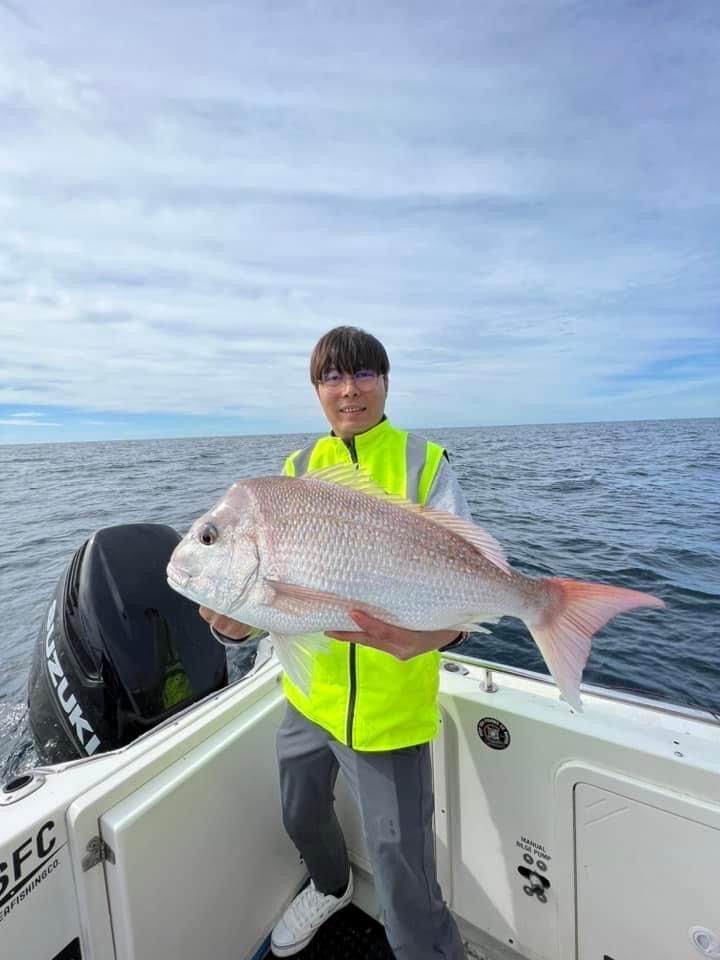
[298, 433]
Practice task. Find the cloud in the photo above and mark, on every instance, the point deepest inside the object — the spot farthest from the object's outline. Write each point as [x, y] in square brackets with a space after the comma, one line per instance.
[15, 11]
[11, 422]
[520, 201]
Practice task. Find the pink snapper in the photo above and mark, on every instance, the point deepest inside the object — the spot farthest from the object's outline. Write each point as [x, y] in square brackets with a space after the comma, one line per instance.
[294, 556]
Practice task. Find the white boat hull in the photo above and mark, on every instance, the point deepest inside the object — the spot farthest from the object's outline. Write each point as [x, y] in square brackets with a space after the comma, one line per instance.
[559, 836]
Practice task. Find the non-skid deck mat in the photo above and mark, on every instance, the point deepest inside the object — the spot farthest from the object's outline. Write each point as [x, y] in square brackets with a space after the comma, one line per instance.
[349, 934]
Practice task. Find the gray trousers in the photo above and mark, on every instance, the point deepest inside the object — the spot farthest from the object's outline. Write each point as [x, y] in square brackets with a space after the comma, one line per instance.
[393, 791]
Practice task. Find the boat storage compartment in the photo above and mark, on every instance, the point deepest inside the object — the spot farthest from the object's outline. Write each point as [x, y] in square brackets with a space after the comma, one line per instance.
[646, 864]
[196, 862]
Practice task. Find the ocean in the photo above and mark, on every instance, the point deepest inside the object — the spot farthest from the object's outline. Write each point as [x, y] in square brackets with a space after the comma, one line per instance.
[634, 504]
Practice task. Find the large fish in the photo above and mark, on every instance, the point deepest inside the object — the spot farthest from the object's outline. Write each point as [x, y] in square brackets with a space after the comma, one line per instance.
[294, 556]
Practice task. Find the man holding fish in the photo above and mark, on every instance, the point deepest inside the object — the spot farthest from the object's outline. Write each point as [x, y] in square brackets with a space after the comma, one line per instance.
[362, 562]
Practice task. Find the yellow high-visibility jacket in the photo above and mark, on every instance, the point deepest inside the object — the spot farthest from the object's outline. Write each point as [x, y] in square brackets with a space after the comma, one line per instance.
[365, 698]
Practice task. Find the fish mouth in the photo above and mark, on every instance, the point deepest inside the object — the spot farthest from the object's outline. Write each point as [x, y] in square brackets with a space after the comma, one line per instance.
[177, 577]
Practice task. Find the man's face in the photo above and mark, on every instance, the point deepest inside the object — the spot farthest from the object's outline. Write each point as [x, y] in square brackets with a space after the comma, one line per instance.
[353, 406]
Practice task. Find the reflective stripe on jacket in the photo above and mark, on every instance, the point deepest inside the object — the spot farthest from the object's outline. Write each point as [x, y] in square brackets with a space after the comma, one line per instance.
[365, 698]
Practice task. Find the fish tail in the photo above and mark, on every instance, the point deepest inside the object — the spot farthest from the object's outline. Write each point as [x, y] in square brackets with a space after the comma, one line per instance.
[574, 613]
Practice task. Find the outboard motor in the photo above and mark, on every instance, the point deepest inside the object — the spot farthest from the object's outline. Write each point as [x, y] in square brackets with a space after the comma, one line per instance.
[119, 650]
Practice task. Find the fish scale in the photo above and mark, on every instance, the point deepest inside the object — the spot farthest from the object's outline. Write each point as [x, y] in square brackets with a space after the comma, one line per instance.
[374, 553]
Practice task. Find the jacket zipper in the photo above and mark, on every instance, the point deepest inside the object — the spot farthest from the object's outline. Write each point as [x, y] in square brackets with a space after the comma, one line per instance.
[352, 647]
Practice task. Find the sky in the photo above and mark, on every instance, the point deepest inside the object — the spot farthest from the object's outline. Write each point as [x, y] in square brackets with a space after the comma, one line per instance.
[520, 199]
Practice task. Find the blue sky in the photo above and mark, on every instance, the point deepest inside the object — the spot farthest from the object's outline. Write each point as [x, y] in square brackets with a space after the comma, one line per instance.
[522, 200]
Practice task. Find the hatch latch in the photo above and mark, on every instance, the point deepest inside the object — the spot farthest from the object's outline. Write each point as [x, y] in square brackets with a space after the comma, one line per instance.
[97, 851]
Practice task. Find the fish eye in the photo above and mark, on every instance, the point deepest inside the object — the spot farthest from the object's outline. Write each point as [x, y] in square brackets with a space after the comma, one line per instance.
[208, 534]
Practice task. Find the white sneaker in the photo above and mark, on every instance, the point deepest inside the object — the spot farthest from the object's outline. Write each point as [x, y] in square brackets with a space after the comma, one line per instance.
[304, 917]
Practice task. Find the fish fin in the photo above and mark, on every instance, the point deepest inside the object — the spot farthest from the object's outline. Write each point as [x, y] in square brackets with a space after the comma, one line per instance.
[296, 656]
[484, 542]
[349, 475]
[295, 599]
[575, 613]
[473, 626]
[360, 480]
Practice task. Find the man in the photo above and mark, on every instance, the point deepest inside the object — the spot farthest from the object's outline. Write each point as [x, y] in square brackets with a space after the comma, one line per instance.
[370, 713]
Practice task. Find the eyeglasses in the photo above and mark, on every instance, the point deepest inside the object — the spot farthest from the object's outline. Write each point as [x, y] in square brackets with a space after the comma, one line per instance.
[364, 379]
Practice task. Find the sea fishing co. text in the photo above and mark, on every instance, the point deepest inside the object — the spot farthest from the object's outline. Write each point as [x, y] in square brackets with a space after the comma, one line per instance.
[26, 867]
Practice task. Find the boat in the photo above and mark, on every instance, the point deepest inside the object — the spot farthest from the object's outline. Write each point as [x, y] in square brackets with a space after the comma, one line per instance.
[559, 835]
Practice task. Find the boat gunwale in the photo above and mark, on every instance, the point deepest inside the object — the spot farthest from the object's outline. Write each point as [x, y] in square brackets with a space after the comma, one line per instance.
[607, 693]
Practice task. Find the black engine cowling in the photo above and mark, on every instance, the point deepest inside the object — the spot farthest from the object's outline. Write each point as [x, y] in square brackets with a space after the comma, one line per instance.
[119, 650]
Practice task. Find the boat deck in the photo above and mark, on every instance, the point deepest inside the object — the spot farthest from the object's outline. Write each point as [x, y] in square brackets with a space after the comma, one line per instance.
[348, 935]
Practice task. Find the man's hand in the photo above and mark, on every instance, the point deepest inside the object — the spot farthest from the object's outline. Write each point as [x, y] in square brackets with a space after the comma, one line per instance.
[232, 629]
[403, 644]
